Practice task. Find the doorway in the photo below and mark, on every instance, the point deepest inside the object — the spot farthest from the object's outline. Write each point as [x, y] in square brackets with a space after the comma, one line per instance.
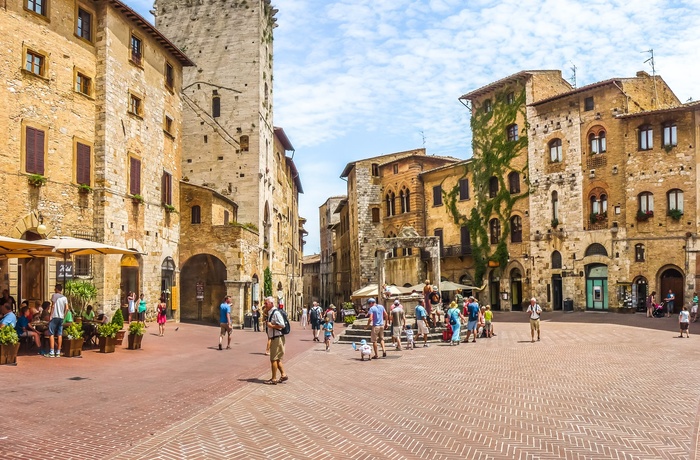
[167, 275]
[516, 290]
[494, 287]
[672, 279]
[31, 275]
[130, 276]
[597, 287]
[639, 293]
[557, 292]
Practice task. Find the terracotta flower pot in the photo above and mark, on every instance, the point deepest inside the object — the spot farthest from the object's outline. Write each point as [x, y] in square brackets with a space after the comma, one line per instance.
[120, 337]
[72, 347]
[8, 353]
[134, 341]
[107, 344]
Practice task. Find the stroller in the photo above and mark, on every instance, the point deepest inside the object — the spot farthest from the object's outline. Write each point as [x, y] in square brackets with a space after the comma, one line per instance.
[659, 310]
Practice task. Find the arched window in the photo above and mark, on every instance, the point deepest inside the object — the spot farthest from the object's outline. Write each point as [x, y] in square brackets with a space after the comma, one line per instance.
[512, 132]
[556, 260]
[405, 197]
[495, 230]
[555, 151]
[196, 212]
[639, 255]
[391, 253]
[675, 200]
[598, 209]
[493, 187]
[516, 229]
[596, 249]
[514, 182]
[596, 141]
[646, 137]
[487, 106]
[390, 204]
[555, 205]
[670, 135]
[646, 203]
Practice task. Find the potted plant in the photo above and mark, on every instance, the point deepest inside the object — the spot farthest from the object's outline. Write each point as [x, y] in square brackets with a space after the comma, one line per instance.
[675, 214]
[72, 344]
[108, 337]
[118, 319]
[9, 345]
[136, 330]
[555, 222]
[84, 189]
[169, 208]
[137, 199]
[36, 180]
[80, 293]
[643, 216]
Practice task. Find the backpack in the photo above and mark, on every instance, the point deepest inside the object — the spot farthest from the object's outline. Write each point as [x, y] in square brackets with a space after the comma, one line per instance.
[287, 327]
[314, 314]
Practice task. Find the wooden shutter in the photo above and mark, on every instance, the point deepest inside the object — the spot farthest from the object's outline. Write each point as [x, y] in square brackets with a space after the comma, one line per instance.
[34, 159]
[82, 166]
[166, 188]
[135, 176]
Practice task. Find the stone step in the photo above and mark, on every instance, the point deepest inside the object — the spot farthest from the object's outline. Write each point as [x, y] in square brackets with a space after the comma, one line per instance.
[357, 332]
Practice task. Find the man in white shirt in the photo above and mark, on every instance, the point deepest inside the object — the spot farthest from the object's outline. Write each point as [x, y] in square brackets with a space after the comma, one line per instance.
[58, 312]
[534, 311]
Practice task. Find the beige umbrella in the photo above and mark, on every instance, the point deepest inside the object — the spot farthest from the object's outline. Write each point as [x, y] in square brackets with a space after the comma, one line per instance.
[13, 248]
[444, 286]
[371, 291]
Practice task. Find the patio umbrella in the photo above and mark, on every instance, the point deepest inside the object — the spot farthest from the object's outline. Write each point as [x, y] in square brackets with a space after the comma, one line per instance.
[444, 286]
[14, 248]
[371, 291]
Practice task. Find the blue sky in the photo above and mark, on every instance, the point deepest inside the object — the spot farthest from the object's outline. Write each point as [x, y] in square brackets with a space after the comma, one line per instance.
[359, 78]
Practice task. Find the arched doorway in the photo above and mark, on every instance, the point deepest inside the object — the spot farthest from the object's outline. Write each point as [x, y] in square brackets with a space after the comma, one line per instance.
[130, 272]
[557, 284]
[516, 289]
[672, 278]
[494, 287]
[31, 275]
[597, 287]
[640, 292]
[202, 283]
[167, 278]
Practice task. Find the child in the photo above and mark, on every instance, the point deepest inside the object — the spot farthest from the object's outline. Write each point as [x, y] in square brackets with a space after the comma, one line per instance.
[327, 334]
[684, 321]
[364, 349]
[488, 319]
[409, 337]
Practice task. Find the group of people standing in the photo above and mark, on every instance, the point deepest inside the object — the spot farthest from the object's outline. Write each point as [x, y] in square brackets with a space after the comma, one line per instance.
[138, 310]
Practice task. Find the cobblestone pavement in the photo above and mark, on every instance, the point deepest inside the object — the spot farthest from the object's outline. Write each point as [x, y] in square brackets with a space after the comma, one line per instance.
[602, 386]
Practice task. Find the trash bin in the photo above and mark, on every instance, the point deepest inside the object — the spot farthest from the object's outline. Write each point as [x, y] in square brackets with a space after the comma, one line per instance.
[247, 322]
[569, 305]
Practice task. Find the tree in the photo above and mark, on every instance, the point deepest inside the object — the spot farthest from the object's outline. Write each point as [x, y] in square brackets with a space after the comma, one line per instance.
[267, 287]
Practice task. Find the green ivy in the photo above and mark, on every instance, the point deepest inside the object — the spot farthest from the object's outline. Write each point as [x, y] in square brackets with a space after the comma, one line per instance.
[267, 287]
[493, 157]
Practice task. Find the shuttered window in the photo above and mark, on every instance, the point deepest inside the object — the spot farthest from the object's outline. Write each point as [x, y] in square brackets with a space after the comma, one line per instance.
[167, 188]
[83, 159]
[34, 159]
[134, 176]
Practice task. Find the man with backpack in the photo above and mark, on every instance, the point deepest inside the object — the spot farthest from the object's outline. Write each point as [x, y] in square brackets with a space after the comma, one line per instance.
[315, 314]
[277, 327]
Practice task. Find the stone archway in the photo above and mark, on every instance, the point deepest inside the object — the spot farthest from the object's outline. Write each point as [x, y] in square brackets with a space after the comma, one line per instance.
[671, 278]
[202, 284]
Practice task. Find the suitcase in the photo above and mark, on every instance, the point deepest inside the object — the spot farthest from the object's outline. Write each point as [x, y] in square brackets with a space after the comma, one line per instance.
[447, 334]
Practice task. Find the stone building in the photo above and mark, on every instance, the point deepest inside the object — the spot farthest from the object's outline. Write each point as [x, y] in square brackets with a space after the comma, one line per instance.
[93, 121]
[311, 269]
[342, 255]
[230, 143]
[328, 220]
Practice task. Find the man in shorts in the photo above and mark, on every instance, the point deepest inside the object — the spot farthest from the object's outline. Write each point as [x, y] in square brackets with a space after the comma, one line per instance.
[398, 323]
[377, 319]
[421, 322]
[58, 313]
[315, 314]
[275, 324]
[472, 319]
[225, 321]
[534, 311]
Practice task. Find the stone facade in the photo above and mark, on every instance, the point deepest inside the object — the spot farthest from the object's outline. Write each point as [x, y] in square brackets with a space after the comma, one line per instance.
[312, 280]
[79, 94]
[328, 220]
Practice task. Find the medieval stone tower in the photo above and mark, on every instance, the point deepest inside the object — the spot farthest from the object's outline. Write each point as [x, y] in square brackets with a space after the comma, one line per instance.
[227, 97]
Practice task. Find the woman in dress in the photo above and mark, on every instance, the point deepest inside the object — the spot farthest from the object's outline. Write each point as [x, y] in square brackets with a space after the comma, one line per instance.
[161, 316]
[650, 304]
[142, 309]
[131, 300]
[455, 318]
[304, 314]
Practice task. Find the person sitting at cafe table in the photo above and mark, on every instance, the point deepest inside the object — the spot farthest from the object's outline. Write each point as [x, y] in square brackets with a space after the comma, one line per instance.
[8, 318]
[45, 311]
[68, 319]
[24, 329]
[89, 314]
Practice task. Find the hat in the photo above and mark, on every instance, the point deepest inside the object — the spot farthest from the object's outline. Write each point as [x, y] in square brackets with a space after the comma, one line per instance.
[371, 300]
[396, 302]
[363, 342]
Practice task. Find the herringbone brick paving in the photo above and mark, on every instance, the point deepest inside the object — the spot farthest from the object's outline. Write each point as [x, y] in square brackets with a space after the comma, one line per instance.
[586, 391]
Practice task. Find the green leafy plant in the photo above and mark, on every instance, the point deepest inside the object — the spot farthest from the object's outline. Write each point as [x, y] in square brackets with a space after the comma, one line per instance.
[74, 331]
[80, 292]
[267, 286]
[8, 336]
[247, 225]
[109, 330]
[675, 214]
[668, 148]
[36, 180]
[349, 319]
[118, 319]
[555, 222]
[138, 199]
[169, 208]
[643, 216]
[136, 328]
[84, 188]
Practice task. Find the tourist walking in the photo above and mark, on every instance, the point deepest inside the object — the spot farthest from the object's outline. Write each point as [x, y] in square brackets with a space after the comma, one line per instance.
[225, 322]
[255, 316]
[315, 319]
[304, 317]
[131, 301]
[161, 318]
[455, 318]
[421, 322]
[651, 302]
[59, 308]
[142, 309]
[472, 314]
[377, 319]
[694, 308]
[684, 322]
[534, 310]
[329, 316]
[670, 297]
[275, 324]
[327, 334]
[398, 323]
[488, 321]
